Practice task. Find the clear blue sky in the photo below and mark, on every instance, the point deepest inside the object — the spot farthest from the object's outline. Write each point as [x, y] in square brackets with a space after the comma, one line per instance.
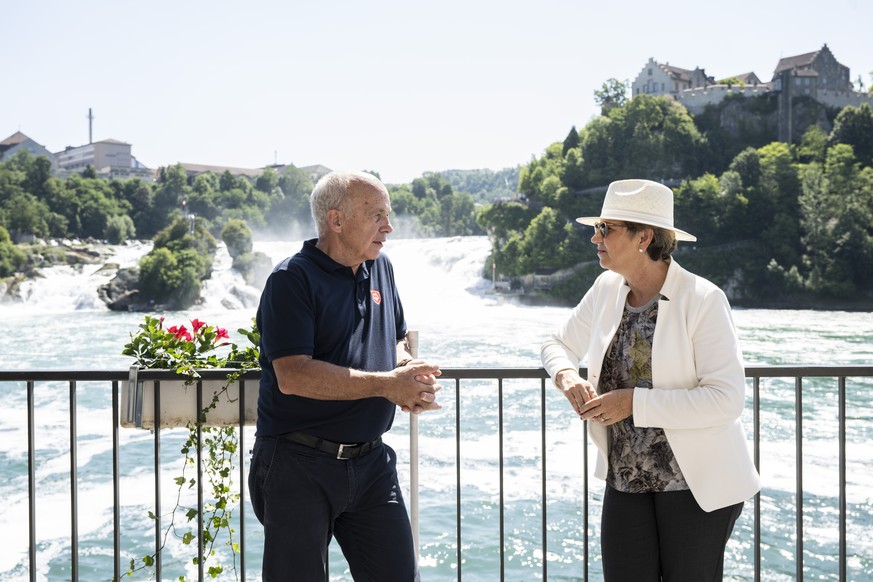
[400, 87]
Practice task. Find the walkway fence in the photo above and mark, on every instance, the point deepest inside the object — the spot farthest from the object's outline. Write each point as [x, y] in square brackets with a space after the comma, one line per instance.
[842, 384]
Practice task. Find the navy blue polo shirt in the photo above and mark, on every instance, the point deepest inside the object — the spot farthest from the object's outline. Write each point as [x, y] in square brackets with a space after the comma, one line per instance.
[314, 306]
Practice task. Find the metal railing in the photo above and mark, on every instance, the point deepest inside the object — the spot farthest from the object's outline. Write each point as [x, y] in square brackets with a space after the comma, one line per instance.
[862, 377]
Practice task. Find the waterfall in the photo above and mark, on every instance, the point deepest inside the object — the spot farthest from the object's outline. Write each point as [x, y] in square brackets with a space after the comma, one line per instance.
[431, 273]
[64, 288]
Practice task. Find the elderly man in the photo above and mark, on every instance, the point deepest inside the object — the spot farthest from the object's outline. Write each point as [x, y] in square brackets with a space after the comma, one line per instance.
[335, 365]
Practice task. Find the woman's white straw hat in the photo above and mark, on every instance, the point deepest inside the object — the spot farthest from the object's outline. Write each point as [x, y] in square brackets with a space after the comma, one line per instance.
[640, 201]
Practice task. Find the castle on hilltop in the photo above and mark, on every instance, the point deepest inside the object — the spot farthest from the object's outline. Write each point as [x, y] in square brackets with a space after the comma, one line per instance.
[816, 75]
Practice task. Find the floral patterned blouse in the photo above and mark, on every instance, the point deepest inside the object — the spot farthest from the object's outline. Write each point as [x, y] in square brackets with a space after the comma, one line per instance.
[640, 458]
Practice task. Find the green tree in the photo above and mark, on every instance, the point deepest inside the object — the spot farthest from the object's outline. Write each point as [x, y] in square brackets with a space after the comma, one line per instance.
[700, 207]
[813, 145]
[138, 197]
[779, 190]
[268, 181]
[502, 219]
[612, 94]
[542, 238]
[119, 228]
[181, 257]
[853, 126]
[484, 185]
[171, 194]
[573, 176]
[289, 204]
[237, 238]
[837, 208]
[186, 233]
[24, 215]
[12, 259]
[571, 141]
[171, 278]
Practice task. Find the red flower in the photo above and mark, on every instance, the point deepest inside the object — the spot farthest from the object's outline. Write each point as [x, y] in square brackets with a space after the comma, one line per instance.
[180, 333]
[197, 324]
[221, 333]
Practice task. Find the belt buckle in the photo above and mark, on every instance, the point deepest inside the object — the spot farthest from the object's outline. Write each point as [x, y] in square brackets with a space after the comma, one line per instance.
[339, 452]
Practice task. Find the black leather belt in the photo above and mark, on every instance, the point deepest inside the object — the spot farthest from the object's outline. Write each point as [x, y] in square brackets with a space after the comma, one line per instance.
[340, 451]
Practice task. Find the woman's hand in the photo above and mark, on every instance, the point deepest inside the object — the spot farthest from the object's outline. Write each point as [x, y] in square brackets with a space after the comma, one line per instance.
[609, 408]
[577, 390]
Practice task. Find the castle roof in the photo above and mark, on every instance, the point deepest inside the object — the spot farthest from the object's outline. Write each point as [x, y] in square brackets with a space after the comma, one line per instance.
[799, 62]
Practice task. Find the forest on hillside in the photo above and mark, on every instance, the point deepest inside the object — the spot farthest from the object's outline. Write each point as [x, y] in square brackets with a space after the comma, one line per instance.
[778, 224]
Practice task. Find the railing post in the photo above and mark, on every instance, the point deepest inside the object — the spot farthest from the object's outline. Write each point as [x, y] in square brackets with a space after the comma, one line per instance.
[756, 439]
[157, 446]
[74, 487]
[842, 477]
[412, 341]
[31, 480]
[116, 484]
[543, 481]
[798, 446]
[200, 501]
[242, 478]
[500, 464]
[458, 557]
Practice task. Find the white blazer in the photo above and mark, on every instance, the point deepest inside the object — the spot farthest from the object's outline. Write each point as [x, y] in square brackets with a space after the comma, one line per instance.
[698, 379]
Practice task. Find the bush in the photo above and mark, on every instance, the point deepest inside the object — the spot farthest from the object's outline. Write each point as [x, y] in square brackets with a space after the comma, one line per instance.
[11, 257]
[171, 279]
[119, 228]
[237, 237]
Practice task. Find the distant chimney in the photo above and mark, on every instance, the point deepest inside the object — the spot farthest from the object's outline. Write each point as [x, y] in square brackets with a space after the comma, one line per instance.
[90, 126]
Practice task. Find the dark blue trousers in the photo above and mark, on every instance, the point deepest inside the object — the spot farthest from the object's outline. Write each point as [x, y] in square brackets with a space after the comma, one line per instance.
[650, 537]
[304, 497]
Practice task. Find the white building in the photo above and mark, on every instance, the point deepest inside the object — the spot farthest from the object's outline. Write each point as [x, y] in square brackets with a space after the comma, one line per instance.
[110, 158]
[19, 142]
[665, 79]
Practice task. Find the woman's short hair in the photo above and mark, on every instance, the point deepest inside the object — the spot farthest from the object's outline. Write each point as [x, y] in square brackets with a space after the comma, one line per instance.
[330, 194]
[663, 241]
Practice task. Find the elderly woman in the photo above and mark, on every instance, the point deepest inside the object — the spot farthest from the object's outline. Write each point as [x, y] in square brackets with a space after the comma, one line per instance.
[663, 397]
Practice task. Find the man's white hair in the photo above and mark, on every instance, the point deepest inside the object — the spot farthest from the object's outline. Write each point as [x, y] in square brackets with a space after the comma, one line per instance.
[330, 193]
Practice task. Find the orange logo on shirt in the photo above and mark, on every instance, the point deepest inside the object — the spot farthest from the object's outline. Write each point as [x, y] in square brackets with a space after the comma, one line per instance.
[377, 297]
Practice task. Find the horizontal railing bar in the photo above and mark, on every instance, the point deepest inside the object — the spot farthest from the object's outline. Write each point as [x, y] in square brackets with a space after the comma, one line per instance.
[756, 371]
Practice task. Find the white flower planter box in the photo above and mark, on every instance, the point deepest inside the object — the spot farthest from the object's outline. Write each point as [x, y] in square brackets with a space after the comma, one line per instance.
[178, 402]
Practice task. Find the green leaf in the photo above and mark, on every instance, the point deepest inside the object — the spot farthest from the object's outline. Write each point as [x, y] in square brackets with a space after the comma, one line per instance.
[214, 571]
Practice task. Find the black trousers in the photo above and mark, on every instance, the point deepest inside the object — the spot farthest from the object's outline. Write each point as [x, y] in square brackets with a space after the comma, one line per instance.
[304, 497]
[654, 537]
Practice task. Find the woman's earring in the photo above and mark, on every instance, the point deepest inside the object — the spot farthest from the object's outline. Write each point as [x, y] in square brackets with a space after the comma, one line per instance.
[641, 250]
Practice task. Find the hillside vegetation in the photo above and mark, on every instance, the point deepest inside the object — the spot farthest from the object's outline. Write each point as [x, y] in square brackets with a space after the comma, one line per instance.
[778, 225]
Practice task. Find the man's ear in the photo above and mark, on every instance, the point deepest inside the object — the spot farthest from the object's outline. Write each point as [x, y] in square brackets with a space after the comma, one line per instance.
[335, 220]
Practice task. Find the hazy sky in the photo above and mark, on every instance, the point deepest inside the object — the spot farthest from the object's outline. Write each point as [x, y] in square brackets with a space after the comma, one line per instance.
[398, 87]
